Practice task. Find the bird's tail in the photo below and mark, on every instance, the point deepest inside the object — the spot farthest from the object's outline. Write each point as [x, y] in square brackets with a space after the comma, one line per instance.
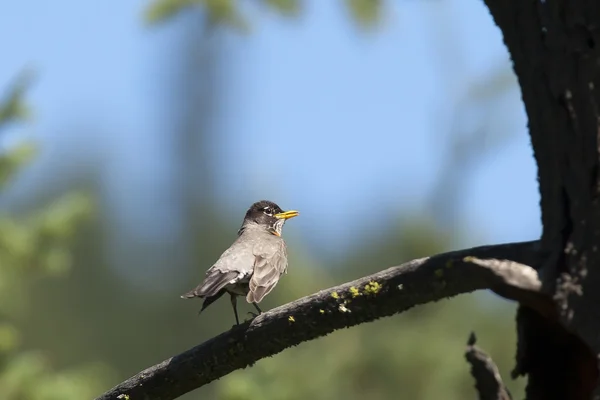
[190, 295]
[211, 285]
[209, 300]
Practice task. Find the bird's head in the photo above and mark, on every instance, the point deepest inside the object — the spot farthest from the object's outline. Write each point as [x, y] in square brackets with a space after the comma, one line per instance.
[267, 215]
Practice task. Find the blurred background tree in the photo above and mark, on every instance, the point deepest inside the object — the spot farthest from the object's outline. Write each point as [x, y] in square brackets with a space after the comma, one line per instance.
[87, 304]
[32, 248]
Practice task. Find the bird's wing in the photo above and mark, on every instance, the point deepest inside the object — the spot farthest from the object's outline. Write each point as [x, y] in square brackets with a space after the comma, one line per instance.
[234, 264]
[270, 263]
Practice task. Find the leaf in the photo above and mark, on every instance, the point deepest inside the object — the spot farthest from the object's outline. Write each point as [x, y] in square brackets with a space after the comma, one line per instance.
[366, 12]
[9, 337]
[162, 10]
[225, 12]
[12, 107]
[218, 12]
[15, 158]
[286, 7]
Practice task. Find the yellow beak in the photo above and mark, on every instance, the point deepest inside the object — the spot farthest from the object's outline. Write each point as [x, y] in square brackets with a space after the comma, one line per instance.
[287, 214]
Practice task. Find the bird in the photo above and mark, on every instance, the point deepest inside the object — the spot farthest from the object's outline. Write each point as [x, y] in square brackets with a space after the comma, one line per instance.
[253, 264]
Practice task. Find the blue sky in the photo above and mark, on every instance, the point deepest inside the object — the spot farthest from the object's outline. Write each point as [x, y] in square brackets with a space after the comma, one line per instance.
[354, 122]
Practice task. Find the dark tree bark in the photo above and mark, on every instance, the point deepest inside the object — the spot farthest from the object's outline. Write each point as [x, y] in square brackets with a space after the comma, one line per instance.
[554, 45]
[488, 380]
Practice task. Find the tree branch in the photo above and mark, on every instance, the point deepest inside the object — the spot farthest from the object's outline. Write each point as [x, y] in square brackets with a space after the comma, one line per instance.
[366, 299]
[487, 377]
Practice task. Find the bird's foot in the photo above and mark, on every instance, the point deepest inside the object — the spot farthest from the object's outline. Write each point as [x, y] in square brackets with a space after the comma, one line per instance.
[253, 315]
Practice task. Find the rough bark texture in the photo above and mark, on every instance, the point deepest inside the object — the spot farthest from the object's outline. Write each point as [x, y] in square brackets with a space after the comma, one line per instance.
[488, 381]
[554, 45]
[379, 295]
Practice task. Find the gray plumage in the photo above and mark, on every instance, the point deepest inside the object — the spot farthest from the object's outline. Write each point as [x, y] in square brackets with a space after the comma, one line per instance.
[253, 264]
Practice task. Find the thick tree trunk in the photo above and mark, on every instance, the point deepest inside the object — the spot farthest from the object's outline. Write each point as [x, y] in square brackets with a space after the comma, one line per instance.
[554, 45]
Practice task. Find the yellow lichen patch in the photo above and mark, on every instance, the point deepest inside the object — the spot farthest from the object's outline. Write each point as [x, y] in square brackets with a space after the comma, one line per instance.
[372, 287]
[354, 292]
[322, 311]
[335, 295]
[439, 273]
[291, 318]
[123, 396]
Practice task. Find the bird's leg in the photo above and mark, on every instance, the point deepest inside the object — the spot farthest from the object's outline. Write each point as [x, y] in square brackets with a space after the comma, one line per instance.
[257, 309]
[234, 305]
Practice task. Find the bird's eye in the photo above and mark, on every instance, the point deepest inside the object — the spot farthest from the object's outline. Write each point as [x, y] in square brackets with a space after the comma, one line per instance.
[268, 211]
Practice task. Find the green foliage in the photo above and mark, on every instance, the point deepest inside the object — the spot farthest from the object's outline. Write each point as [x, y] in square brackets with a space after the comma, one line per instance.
[222, 12]
[366, 13]
[285, 7]
[29, 375]
[35, 245]
[41, 241]
[162, 10]
[12, 107]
